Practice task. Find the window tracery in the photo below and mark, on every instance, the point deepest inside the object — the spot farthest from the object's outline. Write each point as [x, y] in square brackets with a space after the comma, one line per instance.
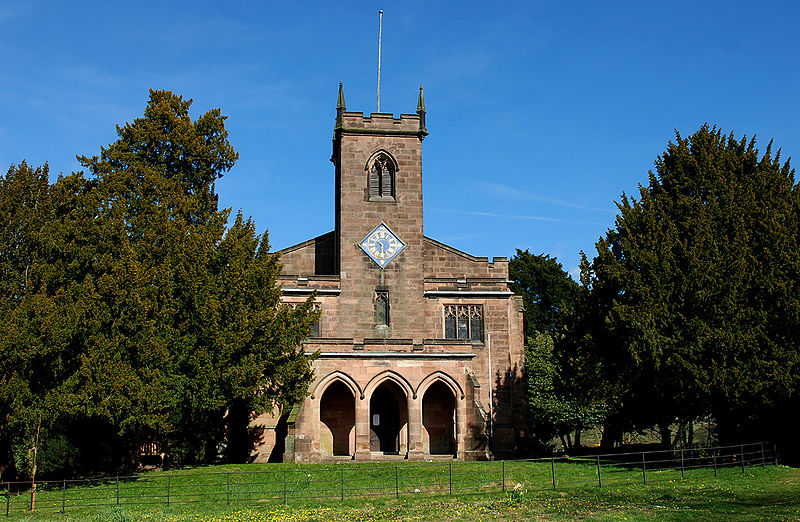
[381, 177]
[463, 322]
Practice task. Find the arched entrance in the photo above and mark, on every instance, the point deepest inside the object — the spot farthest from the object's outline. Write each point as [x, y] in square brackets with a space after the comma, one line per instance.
[388, 419]
[439, 418]
[337, 413]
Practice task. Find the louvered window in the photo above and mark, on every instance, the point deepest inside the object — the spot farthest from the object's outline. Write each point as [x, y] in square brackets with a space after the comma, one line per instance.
[381, 177]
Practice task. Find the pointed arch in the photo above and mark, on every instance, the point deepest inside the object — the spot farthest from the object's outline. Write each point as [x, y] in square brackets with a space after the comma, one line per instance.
[378, 152]
[389, 375]
[444, 378]
[381, 170]
[338, 376]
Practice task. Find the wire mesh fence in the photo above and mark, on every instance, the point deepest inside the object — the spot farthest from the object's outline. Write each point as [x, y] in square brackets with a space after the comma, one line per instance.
[345, 481]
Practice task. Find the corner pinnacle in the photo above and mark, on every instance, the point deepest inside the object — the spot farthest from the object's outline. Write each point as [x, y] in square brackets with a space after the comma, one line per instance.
[340, 103]
[421, 113]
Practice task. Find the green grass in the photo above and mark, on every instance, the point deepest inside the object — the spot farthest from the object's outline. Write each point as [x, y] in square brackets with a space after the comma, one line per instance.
[422, 491]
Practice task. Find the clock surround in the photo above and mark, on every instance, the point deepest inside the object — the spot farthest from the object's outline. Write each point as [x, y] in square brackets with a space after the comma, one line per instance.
[382, 245]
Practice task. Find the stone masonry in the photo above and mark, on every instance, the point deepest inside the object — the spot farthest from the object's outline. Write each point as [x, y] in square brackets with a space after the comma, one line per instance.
[422, 384]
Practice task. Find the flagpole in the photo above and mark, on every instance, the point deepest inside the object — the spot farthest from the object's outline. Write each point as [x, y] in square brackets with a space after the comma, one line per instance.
[380, 28]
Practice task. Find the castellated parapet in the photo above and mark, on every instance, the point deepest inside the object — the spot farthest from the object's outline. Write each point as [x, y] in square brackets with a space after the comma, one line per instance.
[420, 344]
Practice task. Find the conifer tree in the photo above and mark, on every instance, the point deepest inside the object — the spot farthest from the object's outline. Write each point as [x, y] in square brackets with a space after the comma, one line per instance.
[548, 292]
[697, 289]
[145, 317]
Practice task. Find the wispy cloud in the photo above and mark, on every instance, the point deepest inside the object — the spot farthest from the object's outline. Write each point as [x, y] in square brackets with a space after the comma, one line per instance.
[517, 216]
[15, 10]
[504, 191]
[460, 64]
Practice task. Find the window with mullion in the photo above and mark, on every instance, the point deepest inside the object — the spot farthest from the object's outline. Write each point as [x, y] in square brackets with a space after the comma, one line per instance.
[463, 322]
[381, 177]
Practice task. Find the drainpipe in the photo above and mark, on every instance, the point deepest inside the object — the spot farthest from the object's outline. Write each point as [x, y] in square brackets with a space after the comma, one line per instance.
[491, 387]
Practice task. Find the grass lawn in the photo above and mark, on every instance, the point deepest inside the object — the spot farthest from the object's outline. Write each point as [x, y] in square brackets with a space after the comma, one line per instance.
[422, 491]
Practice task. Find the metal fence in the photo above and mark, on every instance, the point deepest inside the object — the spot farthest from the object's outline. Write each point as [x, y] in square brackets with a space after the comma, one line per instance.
[336, 483]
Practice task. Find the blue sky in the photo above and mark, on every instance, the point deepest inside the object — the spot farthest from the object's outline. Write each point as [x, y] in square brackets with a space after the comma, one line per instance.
[540, 113]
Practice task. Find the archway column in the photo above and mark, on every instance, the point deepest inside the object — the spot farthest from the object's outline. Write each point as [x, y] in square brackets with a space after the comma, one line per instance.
[461, 428]
[415, 448]
[362, 429]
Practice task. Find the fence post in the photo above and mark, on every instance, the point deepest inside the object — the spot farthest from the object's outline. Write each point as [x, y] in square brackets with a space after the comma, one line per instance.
[169, 480]
[714, 454]
[763, 458]
[742, 450]
[504, 476]
[342, 484]
[118, 490]
[775, 450]
[451, 478]
[64, 496]
[599, 480]
[681, 462]
[396, 482]
[553, 471]
[644, 471]
[228, 489]
[284, 486]
[8, 497]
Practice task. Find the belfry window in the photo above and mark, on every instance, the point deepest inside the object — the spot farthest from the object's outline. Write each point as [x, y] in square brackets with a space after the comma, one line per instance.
[463, 322]
[382, 308]
[381, 177]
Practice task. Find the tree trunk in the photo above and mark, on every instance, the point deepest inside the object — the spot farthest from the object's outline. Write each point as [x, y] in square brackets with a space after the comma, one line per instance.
[610, 436]
[577, 438]
[666, 435]
[237, 433]
[680, 435]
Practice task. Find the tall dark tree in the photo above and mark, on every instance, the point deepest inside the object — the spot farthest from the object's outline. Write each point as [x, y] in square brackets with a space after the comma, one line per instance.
[559, 402]
[25, 208]
[144, 316]
[548, 292]
[697, 285]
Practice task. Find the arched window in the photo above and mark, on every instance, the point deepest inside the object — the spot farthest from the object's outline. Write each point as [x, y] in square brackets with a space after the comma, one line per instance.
[381, 177]
[382, 308]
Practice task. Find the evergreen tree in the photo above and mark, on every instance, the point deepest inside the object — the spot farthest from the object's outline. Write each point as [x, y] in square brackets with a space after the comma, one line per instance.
[697, 289]
[548, 292]
[557, 388]
[145, 318]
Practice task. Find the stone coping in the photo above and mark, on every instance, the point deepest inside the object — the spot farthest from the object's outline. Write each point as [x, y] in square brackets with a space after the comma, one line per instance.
[308, 290]
[467, 280]
[391, 355]
[468, 293]
[348, 341]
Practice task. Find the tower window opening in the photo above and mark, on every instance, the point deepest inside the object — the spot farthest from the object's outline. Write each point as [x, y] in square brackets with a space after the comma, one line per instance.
[382, 308]
[381, 177]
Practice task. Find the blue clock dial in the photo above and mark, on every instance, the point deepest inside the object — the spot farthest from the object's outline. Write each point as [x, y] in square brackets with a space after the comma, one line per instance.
[382, 245]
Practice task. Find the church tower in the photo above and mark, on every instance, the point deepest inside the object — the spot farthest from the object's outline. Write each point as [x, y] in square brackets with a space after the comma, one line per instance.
[419, 345]
[378, 231]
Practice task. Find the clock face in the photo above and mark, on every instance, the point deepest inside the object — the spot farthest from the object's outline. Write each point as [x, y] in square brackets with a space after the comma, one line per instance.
[382, 245]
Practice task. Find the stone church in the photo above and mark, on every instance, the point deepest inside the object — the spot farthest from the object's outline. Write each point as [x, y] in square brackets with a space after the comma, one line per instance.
[420, 344]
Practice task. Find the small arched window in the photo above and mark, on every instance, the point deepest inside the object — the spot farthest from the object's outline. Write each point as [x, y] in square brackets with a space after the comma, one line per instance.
[382, 308]
[381, 177]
